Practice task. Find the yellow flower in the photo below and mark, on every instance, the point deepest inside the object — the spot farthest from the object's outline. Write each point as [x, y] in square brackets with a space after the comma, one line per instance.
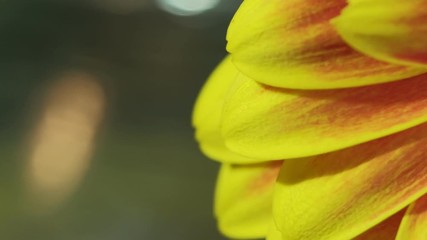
[319, 118]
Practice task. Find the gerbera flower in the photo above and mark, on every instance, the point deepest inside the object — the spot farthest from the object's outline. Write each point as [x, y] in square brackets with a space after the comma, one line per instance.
[318, 117]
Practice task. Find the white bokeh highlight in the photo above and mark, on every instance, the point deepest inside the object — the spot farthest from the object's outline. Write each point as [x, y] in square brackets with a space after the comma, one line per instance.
[187, 7]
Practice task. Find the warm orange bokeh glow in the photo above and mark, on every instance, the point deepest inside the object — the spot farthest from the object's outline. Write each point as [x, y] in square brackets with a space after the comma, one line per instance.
[64, 137]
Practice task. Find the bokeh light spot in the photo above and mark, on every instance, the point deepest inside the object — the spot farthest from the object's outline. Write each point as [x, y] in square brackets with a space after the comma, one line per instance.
[187, 7]
[64, 137]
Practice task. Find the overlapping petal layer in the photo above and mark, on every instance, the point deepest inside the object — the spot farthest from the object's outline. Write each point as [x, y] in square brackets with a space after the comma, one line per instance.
[273, 232]
[292, 44]
[386, 230]
[389, 30]
[414, 224]
[342, 194]
[208, 112]
[271, 123]
[244, 198]
[298, 88]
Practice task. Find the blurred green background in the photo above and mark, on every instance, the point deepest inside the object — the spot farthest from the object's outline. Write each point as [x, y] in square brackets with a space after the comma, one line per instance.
[147, 178]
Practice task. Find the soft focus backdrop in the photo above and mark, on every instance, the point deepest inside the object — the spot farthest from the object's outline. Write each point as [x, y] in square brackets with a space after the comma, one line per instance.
[96, 99]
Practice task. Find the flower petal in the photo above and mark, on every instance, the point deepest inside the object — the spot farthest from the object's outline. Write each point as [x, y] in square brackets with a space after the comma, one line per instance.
[244, 197]
[292, 44]
[386, 230]
[342, 194]
[208, 112]
[414, 223]
[268, 123]
[386, 32]
[273, 232]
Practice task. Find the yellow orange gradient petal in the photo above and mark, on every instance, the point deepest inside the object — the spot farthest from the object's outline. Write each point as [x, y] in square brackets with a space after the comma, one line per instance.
[342, 194]
[267, 123]
[243, 199]
[414, 224]
[386, 230]
[389, 30]
[292, 44]
[208, 112]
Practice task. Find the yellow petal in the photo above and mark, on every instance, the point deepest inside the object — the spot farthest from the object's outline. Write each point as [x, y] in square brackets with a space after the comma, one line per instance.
[244, 198]
[268, 123]
[208, 112]
[386, 230]
[292, 44]
[342, 194]
[414, 224]
[388, 30]
[273, 232]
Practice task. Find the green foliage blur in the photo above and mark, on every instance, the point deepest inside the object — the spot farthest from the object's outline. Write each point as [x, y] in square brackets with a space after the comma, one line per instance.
[147, 178]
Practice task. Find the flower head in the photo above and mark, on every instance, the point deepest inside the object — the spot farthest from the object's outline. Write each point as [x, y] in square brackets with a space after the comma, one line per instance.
[318, 116]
